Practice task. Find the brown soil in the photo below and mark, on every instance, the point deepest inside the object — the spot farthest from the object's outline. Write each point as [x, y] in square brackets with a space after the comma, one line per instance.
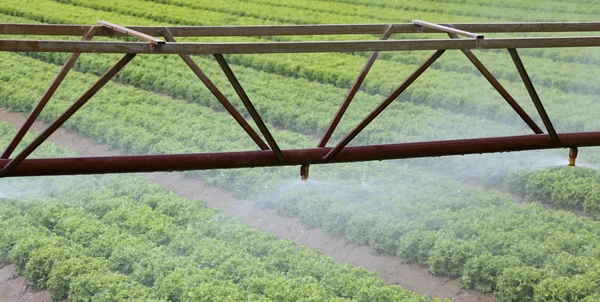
[410, 276]
[16, 289]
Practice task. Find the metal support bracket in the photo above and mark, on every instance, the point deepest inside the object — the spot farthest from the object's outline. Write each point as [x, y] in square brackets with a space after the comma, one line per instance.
[353, 90]
[533, 94]
[384, 104]
[507, 97]
[105, 78]
[218, 94]
[249, 106]
[131, 32]
[67, 66]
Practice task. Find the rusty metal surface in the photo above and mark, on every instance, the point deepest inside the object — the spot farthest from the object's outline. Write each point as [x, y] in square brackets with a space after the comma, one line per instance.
[130, 32]
[105, 78]
[271, 154]
[265, 158]
[386, 102]
[219, 95]
[249, 106]
[45, 97]
[447, 29]
[533, 94]
[326, 29]
[505, 94]
[353, 90]
[292, 47]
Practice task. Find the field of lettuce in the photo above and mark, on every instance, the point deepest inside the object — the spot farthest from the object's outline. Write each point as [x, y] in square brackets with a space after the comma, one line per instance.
[502, 224]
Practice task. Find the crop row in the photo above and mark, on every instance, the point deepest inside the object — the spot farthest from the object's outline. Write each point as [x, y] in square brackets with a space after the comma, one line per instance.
[560, 105]
[304, 65]
[121, 238]
[149, 123]
[191, 16]
[505, 10]
[393, 10]
[164, 125]
[445, 225]
[306, 107]
[567, 188]
[518, 251]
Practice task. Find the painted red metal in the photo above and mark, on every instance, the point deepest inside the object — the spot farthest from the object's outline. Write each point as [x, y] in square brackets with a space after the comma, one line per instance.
[353, 90]
[21, 166]
[384, 104]
[265, 158]
[45, 97]
[86, 96]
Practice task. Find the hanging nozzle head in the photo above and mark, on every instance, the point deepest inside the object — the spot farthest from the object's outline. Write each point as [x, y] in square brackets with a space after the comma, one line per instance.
[304, 172]
[572, 156]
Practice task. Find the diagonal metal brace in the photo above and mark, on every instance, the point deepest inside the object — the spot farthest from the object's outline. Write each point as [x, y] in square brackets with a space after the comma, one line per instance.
[507, 97]
[446, 29]
[131, 32]
[386, 102]
[249, 106]
[67, 66]
[534, 96]
[218, 94]
[105, 78]
[353, 90]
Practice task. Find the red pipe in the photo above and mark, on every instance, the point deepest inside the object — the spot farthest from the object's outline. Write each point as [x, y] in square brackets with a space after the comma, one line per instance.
[264, 158]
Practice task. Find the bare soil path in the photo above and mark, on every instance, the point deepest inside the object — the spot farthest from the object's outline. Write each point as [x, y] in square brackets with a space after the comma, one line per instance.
[410, 276]
[16, 289]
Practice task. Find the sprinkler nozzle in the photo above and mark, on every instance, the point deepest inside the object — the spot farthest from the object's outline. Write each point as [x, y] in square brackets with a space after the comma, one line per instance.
[572, 156]
[304, 172]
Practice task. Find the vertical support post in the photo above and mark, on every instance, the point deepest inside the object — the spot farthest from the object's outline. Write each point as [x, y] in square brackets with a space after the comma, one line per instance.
[386, 102]
[39, 106]
[507, 97]
[218, 94]
[249, 106]
[533, 94]
[105, 78]
[353, 90]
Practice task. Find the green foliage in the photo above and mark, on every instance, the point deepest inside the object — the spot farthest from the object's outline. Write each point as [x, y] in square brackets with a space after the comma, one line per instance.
[86, 249]
[481, 273]
[521, 251]
[63, 273]
[567, 187]
[518, 283]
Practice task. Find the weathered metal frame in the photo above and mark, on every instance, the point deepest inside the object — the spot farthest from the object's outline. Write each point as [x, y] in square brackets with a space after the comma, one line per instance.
[270, 153]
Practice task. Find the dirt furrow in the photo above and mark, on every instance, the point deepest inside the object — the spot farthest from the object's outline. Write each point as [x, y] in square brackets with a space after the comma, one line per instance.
[410, 276]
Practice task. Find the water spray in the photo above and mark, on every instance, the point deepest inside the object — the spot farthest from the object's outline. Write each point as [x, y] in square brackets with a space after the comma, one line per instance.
[572, 156]
[304, 172]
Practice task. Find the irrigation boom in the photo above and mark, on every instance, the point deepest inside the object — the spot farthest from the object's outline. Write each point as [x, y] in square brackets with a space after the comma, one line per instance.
[464, 37]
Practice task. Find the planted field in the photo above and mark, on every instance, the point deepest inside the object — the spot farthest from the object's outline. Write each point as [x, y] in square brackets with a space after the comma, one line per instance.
[517, 226]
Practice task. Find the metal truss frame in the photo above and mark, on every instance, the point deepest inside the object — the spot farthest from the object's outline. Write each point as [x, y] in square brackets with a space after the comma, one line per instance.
[270, 153]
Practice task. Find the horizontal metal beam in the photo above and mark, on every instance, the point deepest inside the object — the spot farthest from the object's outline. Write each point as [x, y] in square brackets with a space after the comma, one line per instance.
[264, 158]
[291, 47]
[446, 29]
[333, 29]
[130, 32]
